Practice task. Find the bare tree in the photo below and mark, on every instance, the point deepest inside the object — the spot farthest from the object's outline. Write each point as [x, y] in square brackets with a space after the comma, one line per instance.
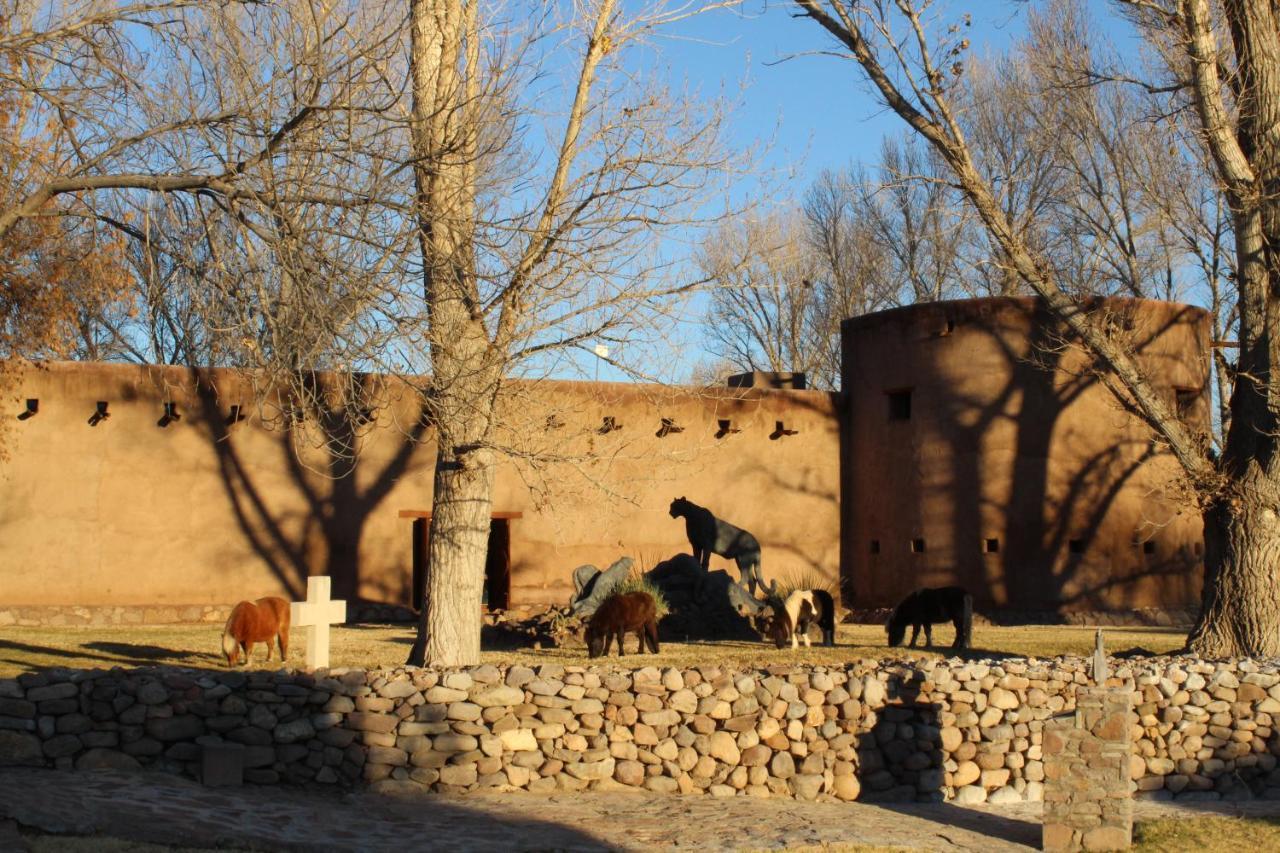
[519, 266]
[765, 297]
[915, 73]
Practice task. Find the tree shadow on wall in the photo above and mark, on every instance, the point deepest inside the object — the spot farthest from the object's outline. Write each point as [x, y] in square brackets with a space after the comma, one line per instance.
[901, 766]
[337, 496]
[1052, 505]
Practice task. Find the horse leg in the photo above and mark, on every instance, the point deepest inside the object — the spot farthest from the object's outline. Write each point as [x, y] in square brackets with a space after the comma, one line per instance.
[621, 632]
[283, 639]
[928, 635]
[915, 634]
[651, 629]
[704, 557]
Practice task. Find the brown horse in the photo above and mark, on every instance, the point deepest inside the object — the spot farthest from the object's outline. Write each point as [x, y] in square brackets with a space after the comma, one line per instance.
[789, 620]
[619, 614]
[259, 621]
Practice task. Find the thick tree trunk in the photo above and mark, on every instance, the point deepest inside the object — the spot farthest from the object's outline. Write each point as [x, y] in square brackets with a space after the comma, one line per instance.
[1241, 603]
[450, 622]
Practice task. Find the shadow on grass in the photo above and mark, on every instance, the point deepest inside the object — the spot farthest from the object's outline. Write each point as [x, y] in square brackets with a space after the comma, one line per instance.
[116, 654]
[133, 651]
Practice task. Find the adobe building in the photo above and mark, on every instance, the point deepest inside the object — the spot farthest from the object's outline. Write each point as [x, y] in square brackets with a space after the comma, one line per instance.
[981, 449]
[969, 444]
[149, 493]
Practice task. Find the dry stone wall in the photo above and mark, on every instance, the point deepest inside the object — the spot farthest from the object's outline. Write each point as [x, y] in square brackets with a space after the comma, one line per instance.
[966, 731]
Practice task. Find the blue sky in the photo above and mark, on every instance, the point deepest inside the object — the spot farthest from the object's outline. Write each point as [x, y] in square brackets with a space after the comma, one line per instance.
[817, 108]
[803, 112]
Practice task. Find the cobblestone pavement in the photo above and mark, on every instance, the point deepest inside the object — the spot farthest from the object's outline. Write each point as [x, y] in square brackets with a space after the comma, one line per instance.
[160, 808]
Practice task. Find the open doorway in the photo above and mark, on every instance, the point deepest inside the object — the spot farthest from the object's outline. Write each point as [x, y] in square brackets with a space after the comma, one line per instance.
[496, 594]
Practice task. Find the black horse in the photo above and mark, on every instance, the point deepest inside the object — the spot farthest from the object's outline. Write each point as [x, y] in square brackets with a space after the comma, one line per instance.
[926, 607]
[709, 535]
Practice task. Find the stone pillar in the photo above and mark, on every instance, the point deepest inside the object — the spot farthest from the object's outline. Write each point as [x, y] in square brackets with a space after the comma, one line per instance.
[1088, 804]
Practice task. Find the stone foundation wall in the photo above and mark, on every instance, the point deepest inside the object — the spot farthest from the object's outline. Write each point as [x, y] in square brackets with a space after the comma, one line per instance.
[970, 732]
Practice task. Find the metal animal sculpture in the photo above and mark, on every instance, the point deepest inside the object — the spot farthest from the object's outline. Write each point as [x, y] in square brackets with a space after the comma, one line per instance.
[790, 620]
[710, 535]
[618, 615]
[926, 607]
[259, 621]
[597, 587]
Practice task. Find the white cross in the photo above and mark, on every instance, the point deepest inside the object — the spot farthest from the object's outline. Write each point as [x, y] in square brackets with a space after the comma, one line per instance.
[316, 614]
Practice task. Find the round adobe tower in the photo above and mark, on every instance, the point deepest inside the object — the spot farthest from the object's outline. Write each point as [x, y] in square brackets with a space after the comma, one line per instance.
[979, 449]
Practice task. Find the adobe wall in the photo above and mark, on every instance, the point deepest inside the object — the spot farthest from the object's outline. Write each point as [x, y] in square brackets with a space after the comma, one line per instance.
[127, 512]
[1015, 473]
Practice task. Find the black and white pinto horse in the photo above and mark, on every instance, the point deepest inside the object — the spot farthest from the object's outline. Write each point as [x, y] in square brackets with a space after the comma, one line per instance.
[790, 621]
[926, 607]
[709, 535]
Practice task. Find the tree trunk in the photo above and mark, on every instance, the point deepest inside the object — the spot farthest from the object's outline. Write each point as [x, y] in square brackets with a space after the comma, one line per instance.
[1241, 603]
[466, 371]
[450, 621]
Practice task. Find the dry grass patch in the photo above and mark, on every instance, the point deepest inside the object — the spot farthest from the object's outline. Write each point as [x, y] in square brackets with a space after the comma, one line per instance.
[1206, 834]
[371, 646]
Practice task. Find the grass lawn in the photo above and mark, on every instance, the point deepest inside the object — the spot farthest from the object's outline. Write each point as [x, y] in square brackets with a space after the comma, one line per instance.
[1206, 834]
[369, 646]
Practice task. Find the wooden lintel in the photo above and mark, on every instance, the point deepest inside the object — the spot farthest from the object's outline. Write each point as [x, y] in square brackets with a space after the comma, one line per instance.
[426, 513]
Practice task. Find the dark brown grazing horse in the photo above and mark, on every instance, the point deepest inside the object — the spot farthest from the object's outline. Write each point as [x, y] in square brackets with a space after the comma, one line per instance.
[619, 614]
[258, 621]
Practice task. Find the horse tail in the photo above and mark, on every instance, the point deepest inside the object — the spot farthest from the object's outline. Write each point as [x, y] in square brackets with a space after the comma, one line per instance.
[229, 642]
[966, 620]
[826, 618]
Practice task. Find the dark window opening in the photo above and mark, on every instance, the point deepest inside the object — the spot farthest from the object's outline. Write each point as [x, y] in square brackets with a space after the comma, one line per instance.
[1184, 400]
[32, 409]
[608, 425]
[917, 546]
[236, 415]
[100, 413]
[900, 405]
[991, 546]
[875, 546]
[1075, 546]
[1148, 547]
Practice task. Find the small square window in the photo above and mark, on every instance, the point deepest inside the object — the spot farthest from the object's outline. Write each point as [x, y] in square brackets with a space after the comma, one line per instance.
[1184, 401]
[917, 546]
[875, 546]
[1075, 546]
[1149, 547]
[991, 546]
[900, 405]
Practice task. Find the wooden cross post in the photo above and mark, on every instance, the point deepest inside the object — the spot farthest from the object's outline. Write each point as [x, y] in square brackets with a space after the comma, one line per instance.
[316, 614]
